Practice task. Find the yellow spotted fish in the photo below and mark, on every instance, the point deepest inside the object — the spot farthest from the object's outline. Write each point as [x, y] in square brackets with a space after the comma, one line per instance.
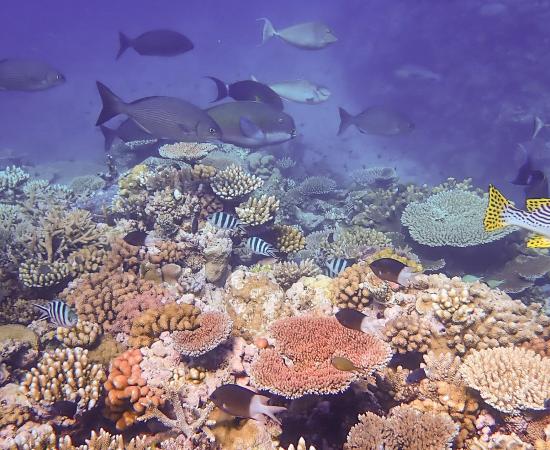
[501, 213]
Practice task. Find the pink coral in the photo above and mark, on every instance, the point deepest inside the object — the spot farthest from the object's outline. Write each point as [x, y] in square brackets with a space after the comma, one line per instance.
[214, 328]
[301, 364]
[133, 307]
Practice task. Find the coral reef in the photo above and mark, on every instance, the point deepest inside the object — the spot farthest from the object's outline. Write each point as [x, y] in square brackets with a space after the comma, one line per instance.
[212, 329]
[83, 334]
[289, 272]
[234, 182]
[189, 152]
[257, 210]
[317, 185]
[289, 239]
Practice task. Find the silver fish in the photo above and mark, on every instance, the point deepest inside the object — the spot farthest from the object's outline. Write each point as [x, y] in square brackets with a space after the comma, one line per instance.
[377, 120]
[225, 221]
[28, 75]
[335, 266]
[301, 91]
[260, 247]
[308, 35]
[59, 313]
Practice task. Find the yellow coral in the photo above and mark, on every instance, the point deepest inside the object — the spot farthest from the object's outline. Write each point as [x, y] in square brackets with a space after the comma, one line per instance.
[289, 239]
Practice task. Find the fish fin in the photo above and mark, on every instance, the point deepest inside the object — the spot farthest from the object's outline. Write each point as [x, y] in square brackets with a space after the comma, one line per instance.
[532, 204]
[223, 89]
[109, 135]
[268, 30]
[125, 43]
[346, 120]
[250, 129]
[112, 104]
[253, 78]
[494, 214]
[538, 241]
[538, 125]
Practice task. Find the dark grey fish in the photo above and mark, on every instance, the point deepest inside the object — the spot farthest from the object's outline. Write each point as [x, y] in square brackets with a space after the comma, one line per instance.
[156, 43]
[351, 318]
[248, 90]
[225, 220]
[537, 185]
[28, 75]
[524, 172]
[161, 117]
[127, 131]
[242, 402]
[260, 247]
[136, 238]
[252, 124]
[416, 376]
[389, 269]
[377, 120]
[59, 313]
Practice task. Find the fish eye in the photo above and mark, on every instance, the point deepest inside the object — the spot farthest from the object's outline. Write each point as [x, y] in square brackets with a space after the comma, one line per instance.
[212, 130]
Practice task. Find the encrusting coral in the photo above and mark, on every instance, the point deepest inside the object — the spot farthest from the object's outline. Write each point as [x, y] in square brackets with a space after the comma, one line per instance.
[310, 343]
[257, 210]
[234, 182]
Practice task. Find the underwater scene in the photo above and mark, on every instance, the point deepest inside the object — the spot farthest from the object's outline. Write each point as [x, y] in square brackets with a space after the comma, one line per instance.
[282, 225]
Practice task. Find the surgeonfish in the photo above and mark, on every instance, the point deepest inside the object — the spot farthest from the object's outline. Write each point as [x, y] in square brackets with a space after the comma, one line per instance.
[58, 313]
[308, 35]
[335, 266]
[260, 247]
[501, 213]
[28, 75]
[225, 221]
[155, 43]
[242, 402]
[377, 120]
[300, 91]
[127, 131]
[343, 364]
[252, 124]
[248, 90]
[161, 117]
[392, 270]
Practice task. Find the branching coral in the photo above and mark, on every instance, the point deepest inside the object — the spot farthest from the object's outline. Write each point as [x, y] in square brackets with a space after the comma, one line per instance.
[288, 272]
[213, 328]
[42, 273]
[510, 379]
[382, 176]
[351, 242]
[203, 172]
[190, 152]
[65, 375]
[289, 239]
[450, 218]
[404, 428]
[317, 185]
[83, 334]
[257, 210]
[234, 182]
[309, 343]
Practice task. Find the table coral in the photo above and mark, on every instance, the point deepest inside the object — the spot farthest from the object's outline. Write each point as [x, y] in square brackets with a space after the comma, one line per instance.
[510, 379]
[83, 334]
[190, 152]
[234, 182]
[381, 176]
[309, 343]
[212, 329]
[257, 210]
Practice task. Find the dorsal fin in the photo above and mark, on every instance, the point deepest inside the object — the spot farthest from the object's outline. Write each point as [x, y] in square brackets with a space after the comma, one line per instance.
[532, 204]
[538, 241]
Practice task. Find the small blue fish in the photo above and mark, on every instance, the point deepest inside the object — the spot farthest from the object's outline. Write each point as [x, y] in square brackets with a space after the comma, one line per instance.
[260, 247]
[58, 313]
[335, 266]
[416, 376]
[225, 221]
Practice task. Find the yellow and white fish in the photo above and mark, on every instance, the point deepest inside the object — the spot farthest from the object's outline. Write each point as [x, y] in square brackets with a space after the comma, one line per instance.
[501, 213]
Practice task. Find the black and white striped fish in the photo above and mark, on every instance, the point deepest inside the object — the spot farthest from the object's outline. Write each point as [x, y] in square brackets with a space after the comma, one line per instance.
[335, 266]
[260, 247]
[225, 220]
[58, 313]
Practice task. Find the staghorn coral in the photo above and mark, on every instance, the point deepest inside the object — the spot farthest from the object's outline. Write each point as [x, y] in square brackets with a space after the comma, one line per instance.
[40, 274]
[289, 239]
[408, 333]
[212, 329]
[171, 317]
[357, 286]
[83, 334]
[404, 428]
[257, 210]
[234, 182]
[190, 152]
[309, 343]
[510, 379]
[65, 374]
[289, 272]
[317, 185]
[450, 218]
[128, 394]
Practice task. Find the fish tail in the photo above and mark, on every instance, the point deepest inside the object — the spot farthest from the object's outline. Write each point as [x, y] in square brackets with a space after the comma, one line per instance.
[346, 120]
[223, 90]
[112, 104]
[109, 135]
[496, 209]
[125, 43]
[268, 31]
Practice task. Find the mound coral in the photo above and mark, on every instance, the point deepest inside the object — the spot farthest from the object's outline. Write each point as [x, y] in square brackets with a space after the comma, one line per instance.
[190, 152]
[234, 182]
[309, 343]
[450, 218]
[257, 210]
[408, 333]
[510, 379]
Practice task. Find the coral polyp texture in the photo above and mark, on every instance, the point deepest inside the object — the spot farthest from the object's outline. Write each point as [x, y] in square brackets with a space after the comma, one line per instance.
[309, 343]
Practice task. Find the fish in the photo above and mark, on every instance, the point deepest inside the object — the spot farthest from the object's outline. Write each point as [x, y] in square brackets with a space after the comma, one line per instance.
[416, 375]
[127, 131]
[248, 90]
[58, 313]
[242, 402]
[28, 75]
[252, 124]
[343, 364]
[392, 270]
[139, 238]
[335, 266]
[354, 320]
[161, 117]
[377, 120]
[225, 221]
[415, 72]
[156, 43]
[300, 91]
[524, 172]
[308, 35]
[537, 186]
[260, 247]
[538, 125]
[502, 213]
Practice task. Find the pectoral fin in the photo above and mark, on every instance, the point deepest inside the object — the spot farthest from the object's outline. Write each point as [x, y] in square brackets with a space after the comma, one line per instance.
[538, 241]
